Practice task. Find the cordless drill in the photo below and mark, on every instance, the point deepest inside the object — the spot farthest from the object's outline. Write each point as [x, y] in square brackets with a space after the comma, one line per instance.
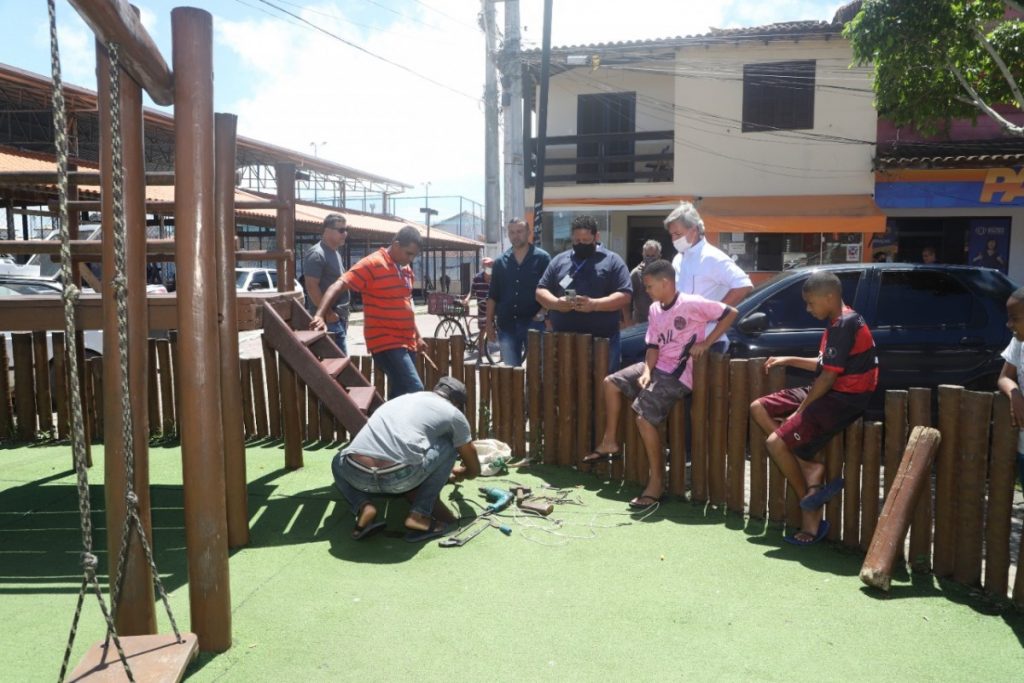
[499, 499]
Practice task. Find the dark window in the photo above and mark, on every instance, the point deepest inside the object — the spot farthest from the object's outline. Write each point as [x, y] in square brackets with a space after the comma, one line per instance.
[787, 310]
[778, 96]
[259, 280]
[273, 279]
[605, 115]
[926, 299]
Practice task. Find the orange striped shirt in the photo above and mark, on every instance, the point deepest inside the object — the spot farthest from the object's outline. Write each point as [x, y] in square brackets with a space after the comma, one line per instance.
[389, 320]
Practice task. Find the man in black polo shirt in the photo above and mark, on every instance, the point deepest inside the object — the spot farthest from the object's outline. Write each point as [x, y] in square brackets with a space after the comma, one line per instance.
[585, 288]
[512, 299]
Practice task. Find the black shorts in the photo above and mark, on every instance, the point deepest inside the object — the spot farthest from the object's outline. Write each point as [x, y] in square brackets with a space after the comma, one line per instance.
[654, 402]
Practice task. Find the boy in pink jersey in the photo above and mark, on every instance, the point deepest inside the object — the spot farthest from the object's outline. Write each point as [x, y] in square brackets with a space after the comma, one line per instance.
[675, 334]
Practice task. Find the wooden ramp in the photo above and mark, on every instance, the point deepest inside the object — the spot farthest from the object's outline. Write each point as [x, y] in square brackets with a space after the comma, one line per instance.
[153, 659]
[318, 361]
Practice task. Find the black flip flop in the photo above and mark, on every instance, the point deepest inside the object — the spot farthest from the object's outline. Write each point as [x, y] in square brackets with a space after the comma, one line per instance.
[591, 461]
[634, 505]
[437, 530]
[360, 533]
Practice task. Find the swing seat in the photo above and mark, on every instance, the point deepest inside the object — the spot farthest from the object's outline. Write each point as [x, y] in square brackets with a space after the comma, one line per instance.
[153, 658]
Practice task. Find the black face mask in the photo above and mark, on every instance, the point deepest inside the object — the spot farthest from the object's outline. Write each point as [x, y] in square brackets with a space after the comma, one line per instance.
[584, 251]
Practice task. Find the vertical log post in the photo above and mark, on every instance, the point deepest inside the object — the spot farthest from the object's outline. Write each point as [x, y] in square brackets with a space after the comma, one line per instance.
[833, 470]
[259, 404]
[163, 350]
[698, 437]
[135, 609]
[871, 482]
[598, 370]
[518, 412]
[920, 414]
[776, 482]
[739, 407]
[44, 403]
[635, 460]
[550, 372]
[719, 374]
[485, 428]
[470, 380]
[502, 389]
[202, 439]
[758, 453]
[584, 396]
[60, 385]
[1000, 498]
[6, 414]
[246, 413]
[24, 388]
[677, 449]
[851, 491]
[946, 480]
[895, 436]
[566, 409]
[95, 368]
[975, 411]
[533, 388]
[380, 382]
[152, 384]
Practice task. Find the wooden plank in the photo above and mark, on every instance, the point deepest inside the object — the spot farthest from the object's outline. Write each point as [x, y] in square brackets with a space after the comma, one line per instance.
[834, 470]
[24, 386]
[153, 658]
[1002, 463]
[776, 482]
[44, 403]
[871, 482]
[153, 393]
[95, 366]
[6, 410]
[566, 395]
[699, 426]
[854, 449]
[946, 480]
[312, 415]
[636, 460]
[895, 437]
[677, 449]
[907, 485]
[584, 396]
[920, 414]
[758, 454]
[248, 422]
[736, 458]
[549, 349]
[259, 403]
[533, 388]
[598, 370]
[470, 380]
[975, 411]
[326, 423]
[60, 385]
[291, 417]
[518, 412]
[273, 392]
[718, 371]
[486, 415]
[163, 352]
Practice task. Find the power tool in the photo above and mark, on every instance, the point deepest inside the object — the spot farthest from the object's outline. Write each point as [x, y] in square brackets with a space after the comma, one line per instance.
[499, 499]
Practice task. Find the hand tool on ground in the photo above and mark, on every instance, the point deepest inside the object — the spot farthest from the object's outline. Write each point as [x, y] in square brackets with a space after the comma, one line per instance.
[525, 500]
[498, 500]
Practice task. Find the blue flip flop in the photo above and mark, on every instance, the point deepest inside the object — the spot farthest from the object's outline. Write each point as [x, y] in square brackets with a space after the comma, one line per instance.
[437, 530]
[822, 533]
[823, 493]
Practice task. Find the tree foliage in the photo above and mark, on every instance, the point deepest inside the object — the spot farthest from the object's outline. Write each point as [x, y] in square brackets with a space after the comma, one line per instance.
[937, 60]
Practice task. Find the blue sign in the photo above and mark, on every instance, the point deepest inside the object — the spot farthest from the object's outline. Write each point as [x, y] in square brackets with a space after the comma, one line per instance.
[988, 243]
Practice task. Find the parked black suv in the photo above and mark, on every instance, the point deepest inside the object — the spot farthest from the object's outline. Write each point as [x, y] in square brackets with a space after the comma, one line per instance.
[932, 324]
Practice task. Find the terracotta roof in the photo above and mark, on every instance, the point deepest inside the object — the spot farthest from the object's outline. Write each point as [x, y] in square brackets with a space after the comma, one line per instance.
[965, 154]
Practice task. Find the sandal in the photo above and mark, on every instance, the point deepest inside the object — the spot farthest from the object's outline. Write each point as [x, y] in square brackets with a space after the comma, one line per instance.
[636, 503]
[819, 494]
[597, 457]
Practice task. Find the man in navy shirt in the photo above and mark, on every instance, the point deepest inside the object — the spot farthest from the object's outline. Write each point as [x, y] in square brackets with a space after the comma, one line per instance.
[512, 298]
[585, 288]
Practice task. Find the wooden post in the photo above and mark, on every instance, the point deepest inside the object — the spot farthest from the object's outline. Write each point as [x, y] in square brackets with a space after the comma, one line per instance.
[502, 401]
[719, 390]
[758, 454]
[1000, 498]
[698, 437]
[24, 388]
[163, 351]
[284, 175]
[833, 470]
[533, 388]
[975, 411]
[895, 438]
[946, 480]
[291, 416]
[907, 485]
[95, 368]
[870, 482]
[248, 423]
[635, 459]
[430, 375]
[470, 380]
[485, 428]
[6, 415]
[259, 401]
[60, 386]
[920, 414]
[152, 385]
[584, 396]
[202, 438]
[549, 370]
[44, 404]
[599, 369]
[312, 415]
[518, 412]
[851, 491]
[566, 389]
[739, 415]
[677, 449]
[776, 482]
[443, 348]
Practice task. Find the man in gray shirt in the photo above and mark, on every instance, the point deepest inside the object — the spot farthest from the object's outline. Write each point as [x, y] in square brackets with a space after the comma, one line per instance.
[409, 445]
[321, 267]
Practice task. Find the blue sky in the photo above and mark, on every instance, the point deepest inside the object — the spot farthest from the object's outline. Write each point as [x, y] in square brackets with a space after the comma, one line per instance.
[291, 85]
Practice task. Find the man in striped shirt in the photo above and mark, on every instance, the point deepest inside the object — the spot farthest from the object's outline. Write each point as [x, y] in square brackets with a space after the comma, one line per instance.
[384, 278]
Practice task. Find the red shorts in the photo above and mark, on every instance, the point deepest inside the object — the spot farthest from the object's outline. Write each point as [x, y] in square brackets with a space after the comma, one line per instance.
[807, 433]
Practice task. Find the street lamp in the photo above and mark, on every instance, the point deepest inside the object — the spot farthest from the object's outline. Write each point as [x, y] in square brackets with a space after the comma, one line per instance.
[316, 148]
[426, 260]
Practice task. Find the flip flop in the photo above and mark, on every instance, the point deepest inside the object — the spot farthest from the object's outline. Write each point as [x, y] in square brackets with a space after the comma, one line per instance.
[635, 505]
[822, 494]
[597, 457]
[437, 529]
[360, 533]
[823, 528]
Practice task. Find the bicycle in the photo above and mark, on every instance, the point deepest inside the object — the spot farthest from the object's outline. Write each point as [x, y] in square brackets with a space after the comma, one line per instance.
[457, 321]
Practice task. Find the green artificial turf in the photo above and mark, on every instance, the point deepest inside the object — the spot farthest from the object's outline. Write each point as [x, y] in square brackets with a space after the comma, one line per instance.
[687, 594]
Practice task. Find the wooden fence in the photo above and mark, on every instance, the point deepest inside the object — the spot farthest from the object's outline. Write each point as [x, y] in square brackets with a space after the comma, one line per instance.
[550, 410]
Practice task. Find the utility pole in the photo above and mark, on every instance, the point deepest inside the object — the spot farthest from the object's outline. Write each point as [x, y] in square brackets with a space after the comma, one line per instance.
[426, 249]
[492, 198]
[512, 104]
[547, 229]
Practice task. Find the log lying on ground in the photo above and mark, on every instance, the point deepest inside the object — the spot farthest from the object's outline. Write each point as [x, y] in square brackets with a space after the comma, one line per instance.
[898, 511]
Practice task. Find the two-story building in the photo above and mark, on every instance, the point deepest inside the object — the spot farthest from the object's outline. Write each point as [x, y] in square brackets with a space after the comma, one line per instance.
[767, 129]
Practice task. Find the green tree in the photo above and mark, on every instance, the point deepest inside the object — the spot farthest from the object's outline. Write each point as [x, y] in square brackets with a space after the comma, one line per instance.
[936, 60]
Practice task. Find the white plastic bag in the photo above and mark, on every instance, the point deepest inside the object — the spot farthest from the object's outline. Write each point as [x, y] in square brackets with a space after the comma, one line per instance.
[494, 456]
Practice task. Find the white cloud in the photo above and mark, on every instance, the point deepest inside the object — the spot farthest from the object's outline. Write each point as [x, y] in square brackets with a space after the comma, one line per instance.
[77, 47]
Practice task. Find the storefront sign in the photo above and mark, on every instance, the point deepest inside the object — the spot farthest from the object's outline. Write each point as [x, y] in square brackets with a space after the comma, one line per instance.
[988, 243]
[948, 189]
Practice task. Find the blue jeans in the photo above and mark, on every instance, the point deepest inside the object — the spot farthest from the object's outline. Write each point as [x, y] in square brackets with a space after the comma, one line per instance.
[615, 352]
[513, 341]
[1020, 469]
[400, 367]
[357, 482]
[339, 330]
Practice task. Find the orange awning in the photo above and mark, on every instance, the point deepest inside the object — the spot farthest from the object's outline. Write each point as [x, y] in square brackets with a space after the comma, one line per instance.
[806, 213]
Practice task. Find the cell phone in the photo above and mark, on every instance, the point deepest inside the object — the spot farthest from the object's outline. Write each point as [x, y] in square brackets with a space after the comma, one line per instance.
[570, 293]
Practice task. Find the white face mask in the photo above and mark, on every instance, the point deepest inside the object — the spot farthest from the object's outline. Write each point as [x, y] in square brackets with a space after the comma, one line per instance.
[487, 271]
[682, 244]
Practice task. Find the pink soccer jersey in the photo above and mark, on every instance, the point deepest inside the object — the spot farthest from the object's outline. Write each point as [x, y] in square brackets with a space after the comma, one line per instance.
[676, 329]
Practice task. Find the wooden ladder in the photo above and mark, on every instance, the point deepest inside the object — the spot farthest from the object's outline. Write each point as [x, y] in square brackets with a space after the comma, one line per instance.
[318, 361]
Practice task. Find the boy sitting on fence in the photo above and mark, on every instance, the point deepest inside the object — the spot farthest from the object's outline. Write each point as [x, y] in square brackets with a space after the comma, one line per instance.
[800, 421]
[675, 334]
[1011, 379]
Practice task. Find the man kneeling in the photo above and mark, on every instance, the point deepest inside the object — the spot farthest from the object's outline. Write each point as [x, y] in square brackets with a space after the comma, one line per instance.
[801, 421]
[409, 445]
[677, 325]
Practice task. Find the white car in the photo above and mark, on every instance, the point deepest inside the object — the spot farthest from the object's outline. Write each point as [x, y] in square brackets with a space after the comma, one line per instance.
[258, 280]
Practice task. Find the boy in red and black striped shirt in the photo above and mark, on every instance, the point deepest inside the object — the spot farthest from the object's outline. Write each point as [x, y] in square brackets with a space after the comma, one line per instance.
[802, 420]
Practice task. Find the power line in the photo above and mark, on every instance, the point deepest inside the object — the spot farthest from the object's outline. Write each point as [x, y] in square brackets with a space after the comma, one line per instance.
[370, 53]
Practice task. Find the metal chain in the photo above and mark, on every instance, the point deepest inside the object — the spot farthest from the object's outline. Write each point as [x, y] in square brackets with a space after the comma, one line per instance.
[70, 297]
[132, 520]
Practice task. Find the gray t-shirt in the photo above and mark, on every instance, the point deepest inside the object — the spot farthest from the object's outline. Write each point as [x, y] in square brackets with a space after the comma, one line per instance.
[405, 428]
[326, 265]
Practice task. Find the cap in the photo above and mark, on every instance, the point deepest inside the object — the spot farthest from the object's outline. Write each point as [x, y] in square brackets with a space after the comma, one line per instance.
[453, 390]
